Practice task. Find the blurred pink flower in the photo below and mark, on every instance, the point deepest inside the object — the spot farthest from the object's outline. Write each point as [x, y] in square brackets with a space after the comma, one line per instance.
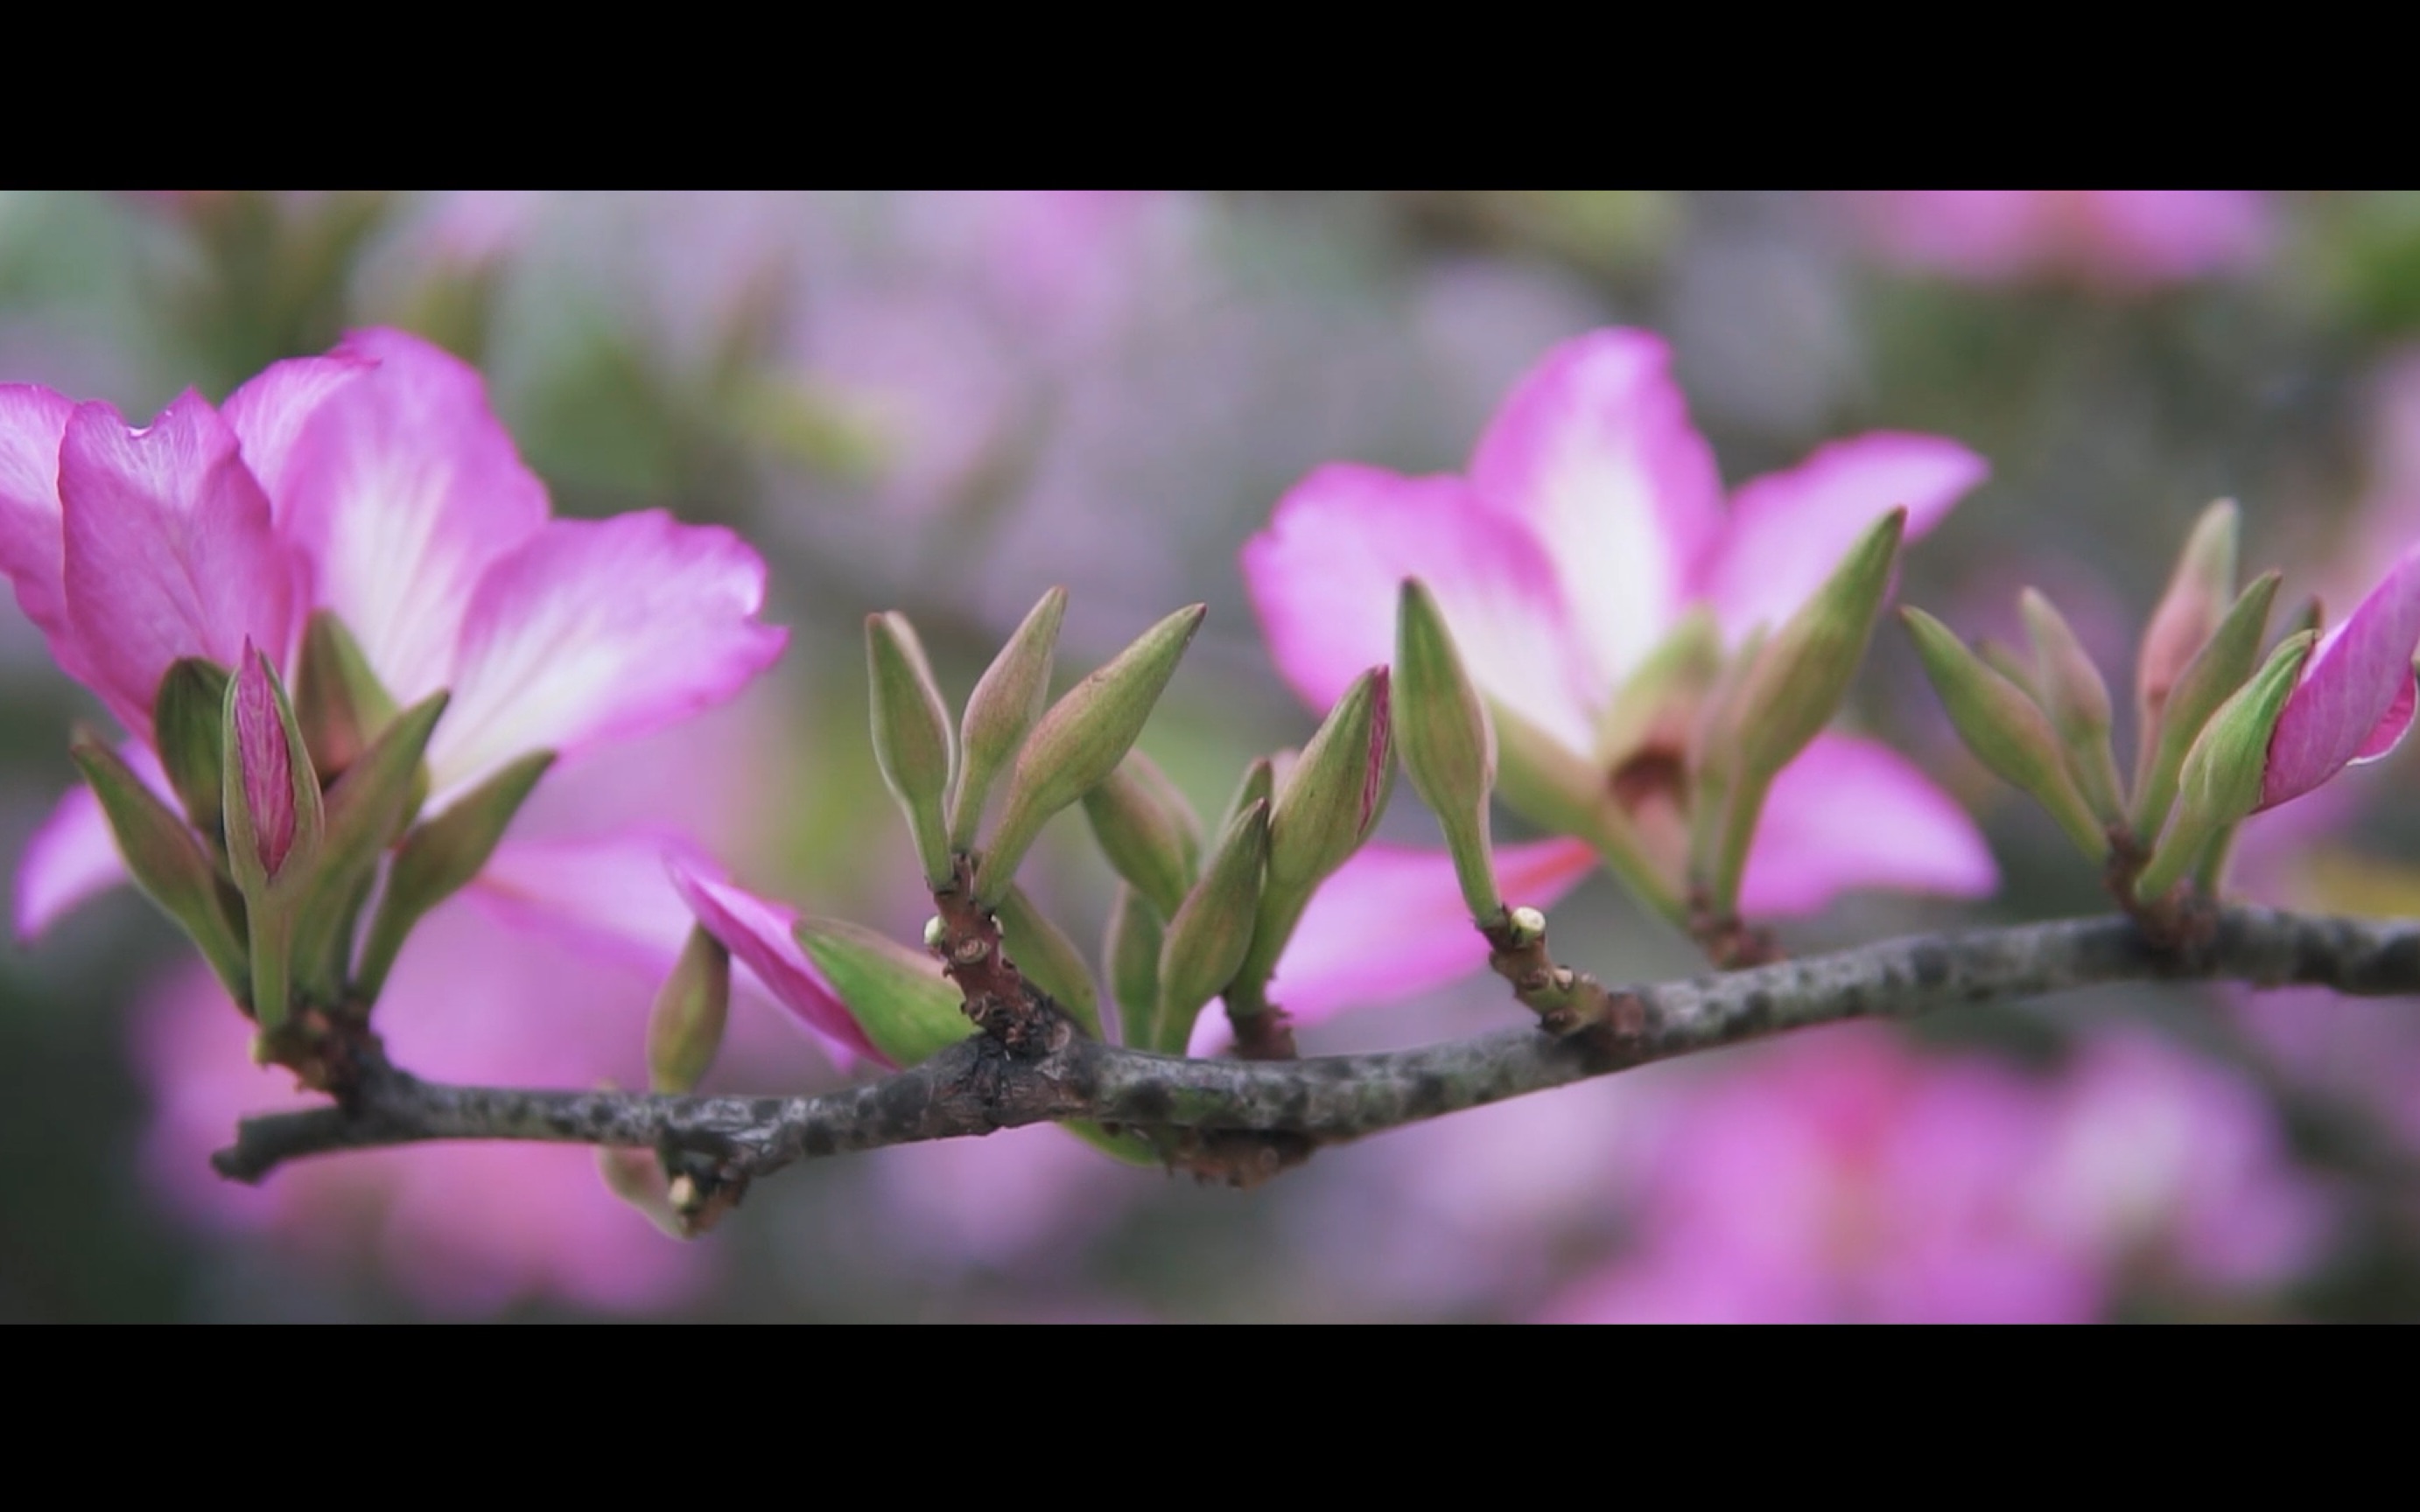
[374, 483]
[2116, 238]
[1591, 520]
[1845, 1178]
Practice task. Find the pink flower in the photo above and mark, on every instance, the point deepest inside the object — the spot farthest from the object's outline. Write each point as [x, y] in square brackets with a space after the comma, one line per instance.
[541, 974]
[1591, 521]
[2355, 698]
[2116, 239]
[374, 483]
[1844, 1177]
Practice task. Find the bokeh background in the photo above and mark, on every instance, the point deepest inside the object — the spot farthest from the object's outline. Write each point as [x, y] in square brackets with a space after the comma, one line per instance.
[945, 403]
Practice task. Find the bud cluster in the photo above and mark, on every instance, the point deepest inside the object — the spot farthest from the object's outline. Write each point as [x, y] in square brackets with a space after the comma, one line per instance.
[290, 800]
[2208, 700]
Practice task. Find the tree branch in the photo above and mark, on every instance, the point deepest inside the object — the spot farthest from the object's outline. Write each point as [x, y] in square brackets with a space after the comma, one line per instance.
[1187, 1106]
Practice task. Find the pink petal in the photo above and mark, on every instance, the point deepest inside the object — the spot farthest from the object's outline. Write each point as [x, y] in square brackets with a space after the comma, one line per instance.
[33, 423]
[2354, 701]
[594, 630]
[1851, 814]
[169, 551]
[1326, 575]
[269, 414]
[1391, 924]
[603, 893]
[1595, 451]
[1789, 530]
[757, 933]
[404, 489]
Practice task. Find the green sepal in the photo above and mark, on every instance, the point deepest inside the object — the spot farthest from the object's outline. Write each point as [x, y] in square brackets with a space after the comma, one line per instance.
[897, 996]
[1149, 832]
[2071, 690]
[188, 728]
[1001, 712]
[1448, 741]
[1207, 939]
[2222, 664]
[1080, 741]
[1050, 960]
[2006, 729]
[912, 741]
[2220, 781]
[1793, 689]
[168, 863]
[437, 859]
[340, 701]
[1259, 785]
[1331, 799]
[1130, 960]
[685, 1025]
[368, 809]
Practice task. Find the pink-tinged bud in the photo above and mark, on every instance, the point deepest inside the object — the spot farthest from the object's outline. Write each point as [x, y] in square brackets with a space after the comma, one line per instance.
[2356, 697]
[267, 775]
[2199, 591]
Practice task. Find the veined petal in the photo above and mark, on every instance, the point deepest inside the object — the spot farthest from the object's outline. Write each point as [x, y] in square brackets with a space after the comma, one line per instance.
[74, 855]
[2355, 698]
[1390, 923]
[1326, 575]
[605, 893]
[1789, 530]
[1595, 451]
[269, 413]
[404, 490]
[33, 423]
[1851, 813]
[169, 551]
[758, 934]
[594, 630]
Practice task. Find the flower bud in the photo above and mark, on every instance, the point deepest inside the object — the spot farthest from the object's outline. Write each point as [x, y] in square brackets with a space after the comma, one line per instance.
[1050, 960]
[1130, 954]
[1208, 937]
[2215, 672]
[168, 863]
[911, 737]
[2221, 778]
[1792, 689]
[2070, 689]
[1805, 667]
[1002, 711]
[685, 1026]
[2007, 730]
[273, 814]
[1147, 829]
[339, 700]
[898, 997]
[267, 788]
[1259, 785]
[188, 726]
[439, 858]
[1080, 741]
[1327, 807]
[2189, 612]
[1449, 741]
